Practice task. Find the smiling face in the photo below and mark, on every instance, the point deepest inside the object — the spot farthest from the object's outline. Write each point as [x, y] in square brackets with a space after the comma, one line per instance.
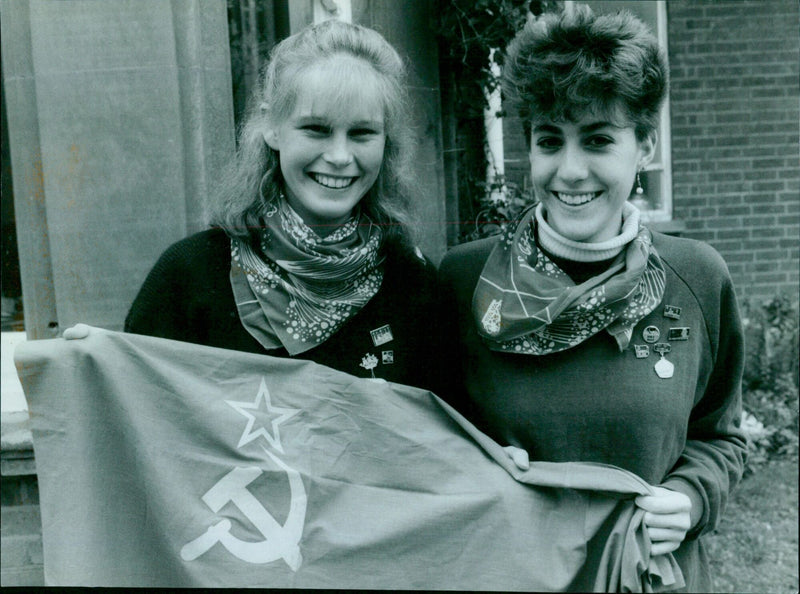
[583, 173]
[331, 145]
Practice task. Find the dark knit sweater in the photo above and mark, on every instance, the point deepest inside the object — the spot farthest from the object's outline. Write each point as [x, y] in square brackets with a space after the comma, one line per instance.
[187, 296]
[593, 403]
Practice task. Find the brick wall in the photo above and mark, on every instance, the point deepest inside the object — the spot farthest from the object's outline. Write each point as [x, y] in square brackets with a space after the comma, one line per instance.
[735, 131]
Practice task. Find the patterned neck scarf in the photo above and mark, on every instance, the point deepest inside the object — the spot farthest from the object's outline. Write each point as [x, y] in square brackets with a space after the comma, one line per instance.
[300, 288]
[524, 303]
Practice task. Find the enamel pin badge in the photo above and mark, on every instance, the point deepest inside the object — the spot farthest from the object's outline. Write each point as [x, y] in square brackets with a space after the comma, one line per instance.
[381, 335]
[664, 368]
[681, 333]
[651, 334]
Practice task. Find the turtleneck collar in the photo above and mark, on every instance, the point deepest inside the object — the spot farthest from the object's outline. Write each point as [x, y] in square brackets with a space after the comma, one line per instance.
[558, 245]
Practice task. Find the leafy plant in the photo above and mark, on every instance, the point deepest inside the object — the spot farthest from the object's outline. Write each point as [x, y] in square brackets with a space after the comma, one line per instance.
[771, 339]
[770, 421]
[771, 372]
[501, 203]
[468, 31]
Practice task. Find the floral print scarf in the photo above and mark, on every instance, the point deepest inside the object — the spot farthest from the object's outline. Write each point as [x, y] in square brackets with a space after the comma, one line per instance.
[299, 288]
[524, 303]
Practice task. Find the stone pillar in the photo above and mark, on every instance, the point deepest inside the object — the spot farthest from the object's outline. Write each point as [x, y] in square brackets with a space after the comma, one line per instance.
[118, 114]
[409, 25]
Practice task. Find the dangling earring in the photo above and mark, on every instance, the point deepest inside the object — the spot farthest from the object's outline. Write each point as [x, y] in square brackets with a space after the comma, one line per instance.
[639, 188]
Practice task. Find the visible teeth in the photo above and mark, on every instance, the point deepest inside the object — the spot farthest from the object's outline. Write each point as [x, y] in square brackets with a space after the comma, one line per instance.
[576, 199]
[332, 182]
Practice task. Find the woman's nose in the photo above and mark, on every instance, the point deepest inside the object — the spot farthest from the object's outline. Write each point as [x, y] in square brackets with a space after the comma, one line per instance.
[338, 151]
[572, 167]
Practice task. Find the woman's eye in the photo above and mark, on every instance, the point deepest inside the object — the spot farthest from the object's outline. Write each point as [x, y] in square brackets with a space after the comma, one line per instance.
[362, 132]
[316, 129]
[548, 142]
[599, 141]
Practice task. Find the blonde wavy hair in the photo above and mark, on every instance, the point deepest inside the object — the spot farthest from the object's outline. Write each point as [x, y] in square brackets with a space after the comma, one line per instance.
[252, 180]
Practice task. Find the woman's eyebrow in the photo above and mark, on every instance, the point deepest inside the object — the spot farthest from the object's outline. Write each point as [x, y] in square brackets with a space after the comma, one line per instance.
[368, 123]
[310, 119]
[547, 128]
[314, 119]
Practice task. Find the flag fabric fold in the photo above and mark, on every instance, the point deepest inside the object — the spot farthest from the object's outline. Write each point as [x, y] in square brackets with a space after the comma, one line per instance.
[169, 464]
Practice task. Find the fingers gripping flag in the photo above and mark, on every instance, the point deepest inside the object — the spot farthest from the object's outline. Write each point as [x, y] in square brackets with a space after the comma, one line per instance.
[164, 463]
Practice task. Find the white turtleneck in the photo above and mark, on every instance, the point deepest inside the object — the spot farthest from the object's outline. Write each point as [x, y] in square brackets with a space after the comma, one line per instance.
[579, 251]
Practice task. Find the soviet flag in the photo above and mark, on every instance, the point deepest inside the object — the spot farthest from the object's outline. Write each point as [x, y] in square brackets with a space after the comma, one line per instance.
[169, 464]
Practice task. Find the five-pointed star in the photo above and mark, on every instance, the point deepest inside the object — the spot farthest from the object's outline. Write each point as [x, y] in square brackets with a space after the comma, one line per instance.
[274, 437]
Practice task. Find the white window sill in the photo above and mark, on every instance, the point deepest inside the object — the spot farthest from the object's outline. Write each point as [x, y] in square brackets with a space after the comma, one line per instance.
[673, 227]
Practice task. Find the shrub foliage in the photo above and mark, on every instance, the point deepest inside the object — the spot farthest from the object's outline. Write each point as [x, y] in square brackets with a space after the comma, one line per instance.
[468, 31]
[771, 377]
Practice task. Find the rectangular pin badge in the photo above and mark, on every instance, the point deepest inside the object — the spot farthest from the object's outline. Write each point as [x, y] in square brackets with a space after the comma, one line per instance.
[672, 311]
[642, 351]
[381, 335]
[680, 333]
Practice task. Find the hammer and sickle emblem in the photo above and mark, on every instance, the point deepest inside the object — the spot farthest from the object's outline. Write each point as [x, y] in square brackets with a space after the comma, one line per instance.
[279, 541]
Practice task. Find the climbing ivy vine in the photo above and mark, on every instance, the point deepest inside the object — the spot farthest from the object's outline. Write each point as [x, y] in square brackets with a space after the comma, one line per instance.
[468, 30]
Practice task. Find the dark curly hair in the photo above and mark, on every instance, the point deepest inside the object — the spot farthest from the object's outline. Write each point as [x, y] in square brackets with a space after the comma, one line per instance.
[561, 66]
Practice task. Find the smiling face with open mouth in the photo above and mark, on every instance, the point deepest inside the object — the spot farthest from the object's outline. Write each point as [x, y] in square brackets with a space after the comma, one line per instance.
[331, 146]
[583, 173]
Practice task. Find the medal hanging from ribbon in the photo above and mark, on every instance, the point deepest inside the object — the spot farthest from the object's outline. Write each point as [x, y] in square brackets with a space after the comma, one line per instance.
[664, 368]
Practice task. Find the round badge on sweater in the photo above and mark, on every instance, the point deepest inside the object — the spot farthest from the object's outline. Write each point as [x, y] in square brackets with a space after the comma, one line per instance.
[651, 334]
